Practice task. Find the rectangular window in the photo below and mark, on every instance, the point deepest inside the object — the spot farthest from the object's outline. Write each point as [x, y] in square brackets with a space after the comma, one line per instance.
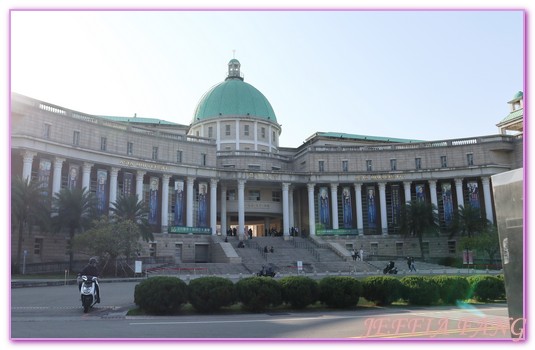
[231, 195]
[452, 247]
[103, 143]
[227, 129]
[38, 246]
[418, 163]
[246, 130]
[345, 166]
[276, 196]
[210, 132]
[47, 130]
[470, 159]
[374, 248]
[369, 165]
[179, 156]
[444, 161]
[321, 166]
[273, 138]
[425, 248]
[393, 165]
[155, 153]
[254, 195]
[253, 167]
[399, 249]
[76, 138]
[277, 168]
[263, 133]
[129, 148]
[203, 159]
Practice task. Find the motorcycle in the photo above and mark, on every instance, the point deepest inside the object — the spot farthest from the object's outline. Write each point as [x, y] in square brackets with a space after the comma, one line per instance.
[266, 272]
[88, 291]
[390, 269]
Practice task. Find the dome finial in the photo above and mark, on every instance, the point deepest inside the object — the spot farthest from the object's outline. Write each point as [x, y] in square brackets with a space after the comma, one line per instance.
[234, 69]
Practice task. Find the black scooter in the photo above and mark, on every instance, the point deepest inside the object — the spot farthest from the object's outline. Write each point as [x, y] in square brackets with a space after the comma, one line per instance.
[390, 268]
[266, 272]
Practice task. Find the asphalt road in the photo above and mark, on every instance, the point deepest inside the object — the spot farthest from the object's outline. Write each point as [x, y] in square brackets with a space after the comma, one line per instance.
[55, 312]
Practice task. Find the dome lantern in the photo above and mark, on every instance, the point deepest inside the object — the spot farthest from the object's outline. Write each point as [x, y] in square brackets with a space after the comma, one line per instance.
[234, 70]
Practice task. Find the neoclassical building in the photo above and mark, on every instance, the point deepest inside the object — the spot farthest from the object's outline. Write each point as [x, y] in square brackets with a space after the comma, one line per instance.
[226, 172]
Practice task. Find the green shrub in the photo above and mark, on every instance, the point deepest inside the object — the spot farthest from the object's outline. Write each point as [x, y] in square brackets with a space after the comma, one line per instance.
[340, 291]
[485, 288]
[382, 290]
[419, 290]
[299, 291]
[258, 293]
[161, 295]
[450, 261]
[208, 294]
[452, 288]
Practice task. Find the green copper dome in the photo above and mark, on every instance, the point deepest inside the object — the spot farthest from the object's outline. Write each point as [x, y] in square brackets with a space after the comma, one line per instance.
[234, 97]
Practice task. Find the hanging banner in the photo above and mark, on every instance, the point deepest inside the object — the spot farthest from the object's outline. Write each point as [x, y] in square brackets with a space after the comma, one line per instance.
[347, 207]
[395, 200]
[420, 196]
[179, 203]
[323, 205]
[128, 182]
[473, 194]
[153, 200]
[43, 175]
[372, 211]
[447, 202]
[72, 180]
[468, 257]
[202, 199]
[102, 180]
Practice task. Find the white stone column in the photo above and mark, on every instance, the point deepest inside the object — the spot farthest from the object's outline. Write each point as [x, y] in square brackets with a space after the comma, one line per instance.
[86, 176]
[224, 225]
[358, 197]
[139, 184]
[485, 181]
[56, 181]
[407, 188]
[382, 200]
[334, 204]
[285, 210]
[113, 186]
[433, 192]
[311, 213]
[291, 206]
[27, 160]
[189, 201]
[213, 206]
[459, 192]
[241, 208]
[165, 202]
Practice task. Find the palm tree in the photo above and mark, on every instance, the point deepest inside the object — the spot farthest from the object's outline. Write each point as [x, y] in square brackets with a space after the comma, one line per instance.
[418, 218]
[468, 221]
[74, 210]
[28, 206]
[129, 208]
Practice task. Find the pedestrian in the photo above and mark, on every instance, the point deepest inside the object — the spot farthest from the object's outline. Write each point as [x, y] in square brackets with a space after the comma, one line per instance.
[412, 267]
[361, 254]
[409, 263]
[354, 254]
[271, 249]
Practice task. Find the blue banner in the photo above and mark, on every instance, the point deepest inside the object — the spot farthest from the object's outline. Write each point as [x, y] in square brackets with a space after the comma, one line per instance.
[324, 206]
[347, 207]
[128, 181]
[420, 196]
[372, 210]
[102, 181]
[473, 194]
[179, 203]
[447, 202]
[43, 175]
[72, 180]
[202, 199]
[395, 204]
[153, 200]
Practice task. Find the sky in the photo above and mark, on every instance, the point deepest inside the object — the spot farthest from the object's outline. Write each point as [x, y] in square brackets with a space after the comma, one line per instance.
[426, 75]
[405, 74]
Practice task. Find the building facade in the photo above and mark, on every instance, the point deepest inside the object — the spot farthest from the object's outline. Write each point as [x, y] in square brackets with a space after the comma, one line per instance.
[226, 173]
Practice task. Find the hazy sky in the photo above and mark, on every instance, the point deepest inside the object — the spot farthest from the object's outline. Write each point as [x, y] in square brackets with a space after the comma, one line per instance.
[407, 74]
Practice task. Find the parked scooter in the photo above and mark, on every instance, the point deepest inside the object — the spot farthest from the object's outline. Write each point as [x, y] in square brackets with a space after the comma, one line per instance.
[266, 272]
[88, 291]
[390, 268]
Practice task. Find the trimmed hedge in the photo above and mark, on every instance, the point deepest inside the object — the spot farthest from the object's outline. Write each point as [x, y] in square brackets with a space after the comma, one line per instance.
[208, 294]
[485, 288]
[161, 295]
[258, 293]
[299, 291]
[340, 291]
[382, 290]
[452, 288]
[420, 290]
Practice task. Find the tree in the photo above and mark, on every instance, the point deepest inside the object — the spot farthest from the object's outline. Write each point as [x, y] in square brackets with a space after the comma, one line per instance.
[418, 218]
[29, 205]
[109, 240]
[468, 221]
[486, 241]
[129, 208]
[73, 209]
